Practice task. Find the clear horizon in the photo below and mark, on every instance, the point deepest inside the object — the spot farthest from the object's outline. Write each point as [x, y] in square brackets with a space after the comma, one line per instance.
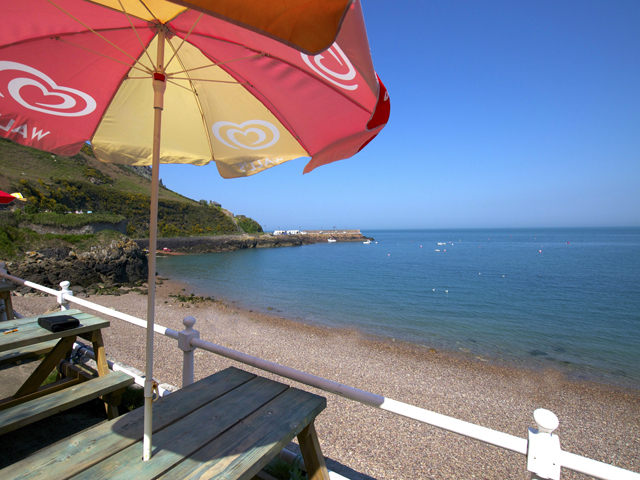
[518, 114]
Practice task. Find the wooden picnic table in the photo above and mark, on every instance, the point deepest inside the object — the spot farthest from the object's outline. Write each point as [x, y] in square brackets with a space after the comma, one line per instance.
[226, 426]
[20, 338]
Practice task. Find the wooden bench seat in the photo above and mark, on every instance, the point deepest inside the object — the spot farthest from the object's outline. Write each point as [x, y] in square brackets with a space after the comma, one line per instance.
[39, 408]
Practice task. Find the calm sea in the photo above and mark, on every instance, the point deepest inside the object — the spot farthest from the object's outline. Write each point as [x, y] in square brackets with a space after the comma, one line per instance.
[567, 298]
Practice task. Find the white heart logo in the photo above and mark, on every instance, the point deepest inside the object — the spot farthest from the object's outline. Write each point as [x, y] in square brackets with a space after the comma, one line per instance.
[231, 131]
[48, 88]
[331, 75]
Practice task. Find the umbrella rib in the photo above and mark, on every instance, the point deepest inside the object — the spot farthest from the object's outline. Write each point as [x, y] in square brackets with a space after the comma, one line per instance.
[197, 100]
[182, 86]
[293, 65]
[105, 56]
[149, 10]
[93, 31]
[216, 64]
[209, 80]
[136, 32]
[183, 40]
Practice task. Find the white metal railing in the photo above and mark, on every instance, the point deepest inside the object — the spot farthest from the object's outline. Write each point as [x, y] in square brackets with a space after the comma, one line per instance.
[542, 448]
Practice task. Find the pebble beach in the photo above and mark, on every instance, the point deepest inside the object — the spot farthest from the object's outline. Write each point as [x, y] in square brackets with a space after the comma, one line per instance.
[599, 421]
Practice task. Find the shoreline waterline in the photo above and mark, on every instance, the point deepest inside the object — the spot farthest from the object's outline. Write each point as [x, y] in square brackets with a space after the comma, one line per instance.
[456, 356]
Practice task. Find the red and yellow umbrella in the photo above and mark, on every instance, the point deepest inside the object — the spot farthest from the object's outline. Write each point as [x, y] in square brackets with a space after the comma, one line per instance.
[75, 70]
[247, 84]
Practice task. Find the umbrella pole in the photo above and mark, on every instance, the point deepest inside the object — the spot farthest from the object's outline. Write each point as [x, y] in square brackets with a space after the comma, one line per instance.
[159, 86]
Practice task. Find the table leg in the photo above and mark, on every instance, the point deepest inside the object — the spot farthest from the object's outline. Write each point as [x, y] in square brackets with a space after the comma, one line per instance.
[312, 454]
[111, 401]
[8, 307]
[46, 367]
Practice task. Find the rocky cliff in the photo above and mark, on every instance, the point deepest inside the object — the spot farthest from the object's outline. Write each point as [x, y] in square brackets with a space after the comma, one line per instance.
[121, 262]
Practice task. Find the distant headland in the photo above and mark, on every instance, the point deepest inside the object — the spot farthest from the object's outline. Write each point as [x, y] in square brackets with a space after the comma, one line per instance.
[229, 243]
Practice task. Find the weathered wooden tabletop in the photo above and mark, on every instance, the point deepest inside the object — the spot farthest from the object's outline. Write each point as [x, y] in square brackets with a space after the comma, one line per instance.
[228, 425]
[30, 333]
[7, 287]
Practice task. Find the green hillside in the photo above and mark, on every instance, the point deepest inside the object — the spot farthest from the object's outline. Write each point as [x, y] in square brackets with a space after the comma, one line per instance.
[57, 185]
[23, 163]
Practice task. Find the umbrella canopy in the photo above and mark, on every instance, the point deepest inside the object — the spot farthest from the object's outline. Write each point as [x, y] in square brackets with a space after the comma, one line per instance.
[73, 70]
[247, 84]
[6, 197]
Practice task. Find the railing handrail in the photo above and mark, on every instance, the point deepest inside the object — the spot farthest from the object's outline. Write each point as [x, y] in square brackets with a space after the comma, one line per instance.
[69, 297]
[167, 332]
[520, 445]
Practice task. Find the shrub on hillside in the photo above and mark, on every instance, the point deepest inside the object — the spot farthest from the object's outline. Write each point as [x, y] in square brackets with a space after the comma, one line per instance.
[249, 225]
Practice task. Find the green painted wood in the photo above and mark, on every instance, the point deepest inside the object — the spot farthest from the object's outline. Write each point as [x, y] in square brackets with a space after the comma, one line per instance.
[16, 354]
[68, 458]
[32, 333]
[34, 410]
[30, 325]
[246, 448]
[40, 374]
[185, 437]
[26, 320]
[7, 287]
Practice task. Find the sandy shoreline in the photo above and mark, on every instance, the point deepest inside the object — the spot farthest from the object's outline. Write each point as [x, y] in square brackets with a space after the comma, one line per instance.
[596, 420]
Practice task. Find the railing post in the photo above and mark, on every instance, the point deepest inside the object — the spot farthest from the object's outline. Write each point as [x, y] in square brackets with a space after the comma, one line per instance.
[184, 344]
[543, 452]
[64, 290]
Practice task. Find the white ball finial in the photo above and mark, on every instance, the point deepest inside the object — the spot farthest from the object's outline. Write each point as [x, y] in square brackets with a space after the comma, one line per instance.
[65, 285]
[546, 420]
[189, 322]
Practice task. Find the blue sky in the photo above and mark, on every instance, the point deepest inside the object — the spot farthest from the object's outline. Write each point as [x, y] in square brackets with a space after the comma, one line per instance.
[503, 114]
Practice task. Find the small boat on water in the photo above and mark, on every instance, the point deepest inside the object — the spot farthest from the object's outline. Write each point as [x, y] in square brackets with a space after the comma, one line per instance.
[332, 240]
[367, 242]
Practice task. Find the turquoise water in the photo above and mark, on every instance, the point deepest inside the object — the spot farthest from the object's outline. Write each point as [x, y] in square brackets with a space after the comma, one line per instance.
[566, 298]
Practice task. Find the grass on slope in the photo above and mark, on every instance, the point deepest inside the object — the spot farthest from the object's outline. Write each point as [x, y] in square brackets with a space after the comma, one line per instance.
[69, 220]
[24, 163]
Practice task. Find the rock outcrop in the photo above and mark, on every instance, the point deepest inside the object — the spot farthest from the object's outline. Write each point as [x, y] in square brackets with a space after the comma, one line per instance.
[84, 230]
[224, 243]
[121, 262]
[229, 243]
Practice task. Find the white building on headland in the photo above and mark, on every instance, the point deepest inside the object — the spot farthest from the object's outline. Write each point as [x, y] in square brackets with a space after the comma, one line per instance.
[288, 232]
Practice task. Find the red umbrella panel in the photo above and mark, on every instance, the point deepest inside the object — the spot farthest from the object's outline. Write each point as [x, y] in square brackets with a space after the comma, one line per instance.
[6, 198]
